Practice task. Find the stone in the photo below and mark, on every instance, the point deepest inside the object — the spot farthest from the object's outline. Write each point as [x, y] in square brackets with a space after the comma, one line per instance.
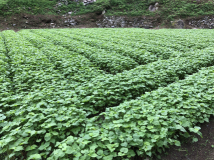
[179, 24]
[69, 13]
[86, 2]
[59, 4]
[153, 8]
[69, 22]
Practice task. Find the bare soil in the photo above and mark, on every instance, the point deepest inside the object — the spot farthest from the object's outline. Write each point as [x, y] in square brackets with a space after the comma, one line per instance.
[28, 21]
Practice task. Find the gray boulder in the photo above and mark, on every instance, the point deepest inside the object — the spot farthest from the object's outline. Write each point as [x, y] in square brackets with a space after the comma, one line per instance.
[179, 24]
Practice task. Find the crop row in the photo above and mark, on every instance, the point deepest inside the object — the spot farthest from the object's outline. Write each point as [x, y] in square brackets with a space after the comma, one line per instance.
[73, 66]
[143, 54]
[144, 40]
[179, 39]
[38, 105]
[31, 68]
[5, 81]
[35, 130]
[107, 91]
[144, 126]
[195, 39]
[138, 38]
[107, 61]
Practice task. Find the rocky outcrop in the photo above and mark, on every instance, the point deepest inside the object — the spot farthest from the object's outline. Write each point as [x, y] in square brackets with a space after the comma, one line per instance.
[122, 22]
[206, 22]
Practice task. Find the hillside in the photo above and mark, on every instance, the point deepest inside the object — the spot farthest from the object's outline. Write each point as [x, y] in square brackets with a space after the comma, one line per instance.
[168, 9]
[14, 13]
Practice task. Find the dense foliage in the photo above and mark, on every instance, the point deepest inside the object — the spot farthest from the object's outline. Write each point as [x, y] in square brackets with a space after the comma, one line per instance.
[100, 94]
[168, 10]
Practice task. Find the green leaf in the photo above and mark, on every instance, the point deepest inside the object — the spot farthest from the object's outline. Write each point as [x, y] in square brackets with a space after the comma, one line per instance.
[69, 150]
[19, 148]
[58, 153]
[180, 128]
[94, 155]
[110, 157]
[44, 146]
[70, 140]
[124, 150]
[47, 137]
[31, 147]
[100, 152]
[35, 156]
[195, 139]
[111, 147]
[124, 144]
[177, 143]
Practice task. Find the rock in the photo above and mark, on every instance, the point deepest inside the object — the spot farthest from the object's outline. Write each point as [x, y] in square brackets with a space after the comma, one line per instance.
[153, 8]
[103, 12]
[52, 25]
[25, 17]
[179, 24]
[69, 13]
[86, 2]
[70, 21]
[59, 4]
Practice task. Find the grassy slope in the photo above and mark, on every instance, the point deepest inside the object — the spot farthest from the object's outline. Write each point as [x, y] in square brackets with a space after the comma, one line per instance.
[168, 10]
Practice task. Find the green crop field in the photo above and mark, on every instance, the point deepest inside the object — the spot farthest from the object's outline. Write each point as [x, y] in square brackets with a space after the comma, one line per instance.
[109, 94]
